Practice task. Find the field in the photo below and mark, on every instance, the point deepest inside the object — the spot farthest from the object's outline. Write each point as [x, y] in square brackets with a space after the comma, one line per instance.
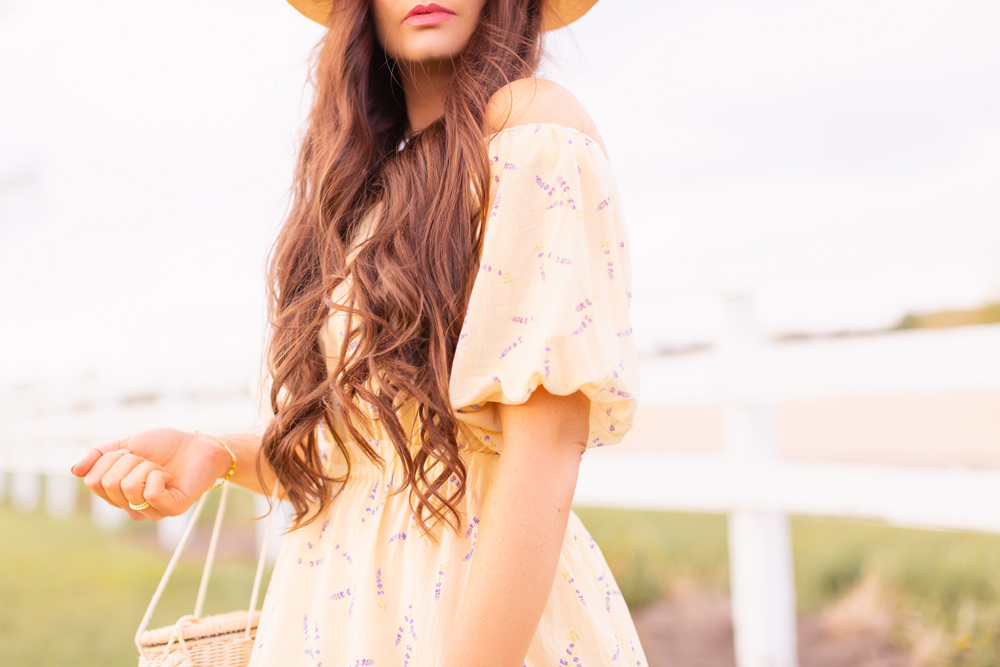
[71, 593]
[934, 595]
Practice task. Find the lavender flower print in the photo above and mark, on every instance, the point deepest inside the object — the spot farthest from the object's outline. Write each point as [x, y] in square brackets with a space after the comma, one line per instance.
[571, 657]
[437, 584]
[472, 526]
[381, 601]
[571, 581]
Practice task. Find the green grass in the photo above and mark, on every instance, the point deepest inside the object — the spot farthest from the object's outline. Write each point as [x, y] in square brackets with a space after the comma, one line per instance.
[939, 570]
[986, 314]
[648, 550]
[71, 593]
[948, 571]
[944, 580]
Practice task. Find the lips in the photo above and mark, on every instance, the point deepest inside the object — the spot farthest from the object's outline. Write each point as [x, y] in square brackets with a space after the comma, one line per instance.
[427, 9]
[430, 14]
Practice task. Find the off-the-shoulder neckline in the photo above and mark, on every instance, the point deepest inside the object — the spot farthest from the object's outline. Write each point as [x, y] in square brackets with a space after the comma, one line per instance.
[523, 126]
[559, 126]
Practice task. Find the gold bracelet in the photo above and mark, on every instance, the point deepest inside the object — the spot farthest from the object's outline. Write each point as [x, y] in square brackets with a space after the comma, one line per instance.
[232, 468]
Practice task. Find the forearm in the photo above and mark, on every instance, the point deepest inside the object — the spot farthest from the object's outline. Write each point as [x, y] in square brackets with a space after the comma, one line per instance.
[246, 447]
[521, 532]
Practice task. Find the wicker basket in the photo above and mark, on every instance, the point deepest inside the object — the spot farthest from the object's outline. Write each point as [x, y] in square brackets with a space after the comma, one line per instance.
[222, 640]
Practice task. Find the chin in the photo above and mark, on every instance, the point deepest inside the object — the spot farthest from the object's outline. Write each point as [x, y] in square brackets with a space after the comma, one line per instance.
[429, 54]
[430, 45]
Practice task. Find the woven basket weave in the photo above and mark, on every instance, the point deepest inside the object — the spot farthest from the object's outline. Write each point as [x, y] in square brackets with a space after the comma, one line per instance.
[221, 640]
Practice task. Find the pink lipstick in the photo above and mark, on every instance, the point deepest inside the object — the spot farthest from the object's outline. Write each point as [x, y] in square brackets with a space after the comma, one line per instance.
[426, 15]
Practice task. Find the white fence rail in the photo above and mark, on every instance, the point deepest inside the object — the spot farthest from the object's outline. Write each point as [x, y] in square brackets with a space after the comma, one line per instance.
[748, 481]
[42, 436]
[915, 497]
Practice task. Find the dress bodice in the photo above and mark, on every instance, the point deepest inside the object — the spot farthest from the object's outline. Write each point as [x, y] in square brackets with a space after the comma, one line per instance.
[549, 306]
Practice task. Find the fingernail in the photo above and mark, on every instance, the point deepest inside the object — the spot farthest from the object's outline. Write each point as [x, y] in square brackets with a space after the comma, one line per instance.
[73, 469]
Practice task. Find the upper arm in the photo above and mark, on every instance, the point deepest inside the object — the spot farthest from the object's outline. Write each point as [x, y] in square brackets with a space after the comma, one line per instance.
[547, 421]
[534, 100]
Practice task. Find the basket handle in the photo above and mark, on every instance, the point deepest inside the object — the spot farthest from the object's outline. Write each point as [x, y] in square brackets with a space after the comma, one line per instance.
[261, 558]
[206, 573]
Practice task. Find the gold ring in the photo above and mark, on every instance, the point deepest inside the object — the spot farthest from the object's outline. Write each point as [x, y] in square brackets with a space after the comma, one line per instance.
[139, 507]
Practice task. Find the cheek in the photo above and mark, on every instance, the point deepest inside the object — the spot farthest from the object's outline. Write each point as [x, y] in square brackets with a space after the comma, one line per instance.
[383, 31]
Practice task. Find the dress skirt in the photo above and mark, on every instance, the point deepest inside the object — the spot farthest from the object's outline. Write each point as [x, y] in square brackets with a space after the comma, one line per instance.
[363, 586]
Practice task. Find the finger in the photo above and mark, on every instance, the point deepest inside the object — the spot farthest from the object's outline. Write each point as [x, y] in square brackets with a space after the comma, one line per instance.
[134, 487]
[168, 500]
[112, 480]
[82, 467]
[96, 473]
[136, 515]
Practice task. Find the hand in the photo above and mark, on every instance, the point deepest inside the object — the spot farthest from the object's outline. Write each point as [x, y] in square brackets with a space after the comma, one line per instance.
[166, 467]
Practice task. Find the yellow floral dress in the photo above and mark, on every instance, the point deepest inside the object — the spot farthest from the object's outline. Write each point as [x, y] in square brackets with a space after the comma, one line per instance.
[361, 585]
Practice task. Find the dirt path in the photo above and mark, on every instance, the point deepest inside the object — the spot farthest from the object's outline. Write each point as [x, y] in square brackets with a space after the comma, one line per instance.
[694, 629]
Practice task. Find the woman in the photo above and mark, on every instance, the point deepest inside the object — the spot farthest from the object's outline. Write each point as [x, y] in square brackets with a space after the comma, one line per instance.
[420, 327]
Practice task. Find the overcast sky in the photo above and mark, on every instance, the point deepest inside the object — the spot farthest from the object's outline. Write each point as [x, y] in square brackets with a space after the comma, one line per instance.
[840, 159]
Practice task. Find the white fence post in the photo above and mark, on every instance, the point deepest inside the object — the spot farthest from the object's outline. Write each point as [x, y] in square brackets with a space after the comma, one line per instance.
[60, 485]
[26, 487]
[106, 515]
[762, 582]
[60, 494]
[170, 529]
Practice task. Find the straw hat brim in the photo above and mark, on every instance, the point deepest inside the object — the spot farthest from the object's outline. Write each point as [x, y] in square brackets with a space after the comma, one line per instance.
[558, 13]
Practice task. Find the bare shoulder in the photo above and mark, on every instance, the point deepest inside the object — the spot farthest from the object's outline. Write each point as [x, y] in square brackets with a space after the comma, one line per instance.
[535, 100]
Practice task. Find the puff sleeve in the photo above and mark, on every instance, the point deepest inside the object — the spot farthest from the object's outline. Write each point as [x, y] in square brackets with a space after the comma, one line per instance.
[550, 303]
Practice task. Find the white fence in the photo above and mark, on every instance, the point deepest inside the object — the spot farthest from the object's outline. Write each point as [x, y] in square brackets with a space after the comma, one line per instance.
[44, 434]
[748, 481]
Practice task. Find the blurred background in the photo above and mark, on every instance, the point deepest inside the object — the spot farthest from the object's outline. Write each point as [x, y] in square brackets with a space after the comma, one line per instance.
[813, 198]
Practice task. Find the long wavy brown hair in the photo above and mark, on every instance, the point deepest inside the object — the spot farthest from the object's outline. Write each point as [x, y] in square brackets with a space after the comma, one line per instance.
[410, 280]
